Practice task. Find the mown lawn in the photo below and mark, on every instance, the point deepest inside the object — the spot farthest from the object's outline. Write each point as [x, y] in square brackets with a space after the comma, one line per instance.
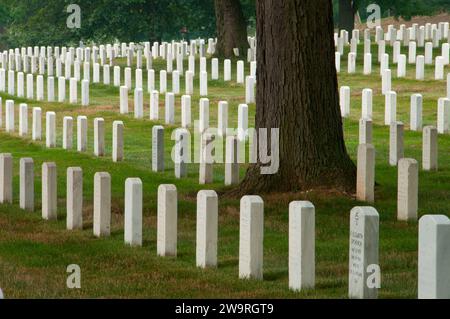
[34, 253]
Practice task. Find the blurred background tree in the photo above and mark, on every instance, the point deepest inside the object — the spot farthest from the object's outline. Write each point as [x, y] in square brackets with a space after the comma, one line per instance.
[37, 22]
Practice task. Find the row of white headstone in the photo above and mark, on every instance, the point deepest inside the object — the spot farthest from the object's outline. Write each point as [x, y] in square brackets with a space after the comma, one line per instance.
[234, 147]
[420, 34]
[29, 87]
[416, 107]
[73, 70]
[401, 60]
[364, 268]
[20, 58]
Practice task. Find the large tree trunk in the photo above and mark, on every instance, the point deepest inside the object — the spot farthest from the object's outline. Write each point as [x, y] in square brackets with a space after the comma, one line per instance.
[346, 15]
[231, 28]
[297, 93]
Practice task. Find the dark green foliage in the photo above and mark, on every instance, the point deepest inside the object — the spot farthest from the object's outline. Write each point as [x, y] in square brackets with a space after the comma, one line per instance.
[37, 22]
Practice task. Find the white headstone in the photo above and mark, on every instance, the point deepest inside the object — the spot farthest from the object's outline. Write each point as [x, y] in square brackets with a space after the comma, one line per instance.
[74, 201]
[408, 185]
[430, 149]
[37, 124]
[434, 257]
[49, 191]
[99, 137]
[6, 174]
[365, 173]
[67, 132]
[396, 149]
[167, 220]
[50, 129]
[207, 229]
[133, 212]
[251, 236]
[364, 238]
[27, 184]
[102, 204]
[416, 112]
[302, 238]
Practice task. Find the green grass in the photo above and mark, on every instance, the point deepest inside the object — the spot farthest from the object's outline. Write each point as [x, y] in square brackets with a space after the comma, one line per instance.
[34, 253]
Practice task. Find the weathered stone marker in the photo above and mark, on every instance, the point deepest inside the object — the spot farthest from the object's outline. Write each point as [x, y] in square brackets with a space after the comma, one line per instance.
[408, 188]
[182, 152]
[367, 103]
[170, 108]
[301, 245]
[251, 236]
[138, 103]
[6, 173]
[23, 119]
[364, 237]
[396, 149]
[27, 184]
[50, 129]
[365, 131]
[231, 161]
[206, 174]
[344, 100]
[49, 191]
[443, 122]
[82, 133]
[207, 229]
[102, 204]
[99, 137]
[67, 132]
[133, 212]
[186, 111]
[430, 149]
[117, 147]
[158, 148]
[390, 114]
[434, 257]
[365, 173]
[123, 100]
[9, 120]
[74, 198]
[416, 112]
[37, 124]
[167, 220]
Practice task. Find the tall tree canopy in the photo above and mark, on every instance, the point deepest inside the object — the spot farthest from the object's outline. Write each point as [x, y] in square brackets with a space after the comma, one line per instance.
[37, 22]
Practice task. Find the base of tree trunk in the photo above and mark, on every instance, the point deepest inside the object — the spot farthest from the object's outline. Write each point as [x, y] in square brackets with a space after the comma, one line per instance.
[339, 180]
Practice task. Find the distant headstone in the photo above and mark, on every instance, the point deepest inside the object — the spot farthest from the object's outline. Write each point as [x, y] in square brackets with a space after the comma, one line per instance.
[133, 212]
[408, 187]
[49, 191]
[365, 173]
[430, 149]
[27, 184]
[158, 148]
[74, 201]
[102, 205]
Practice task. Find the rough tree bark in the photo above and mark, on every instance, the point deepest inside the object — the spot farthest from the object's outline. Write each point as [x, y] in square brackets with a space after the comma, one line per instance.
[346, 15]
[297, 93]
[231, 28]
